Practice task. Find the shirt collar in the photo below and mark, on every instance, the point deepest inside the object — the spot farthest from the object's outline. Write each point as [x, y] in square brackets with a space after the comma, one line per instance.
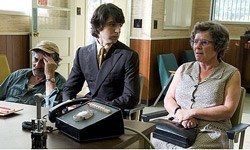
[218, 72]
[99, 46]
[29, 74]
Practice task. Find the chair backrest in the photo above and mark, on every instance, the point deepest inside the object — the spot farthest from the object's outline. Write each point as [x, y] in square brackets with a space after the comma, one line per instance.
[141, 87]
[4, 66]
[135, 113]
[166, 63]
[187, 56]
[236, 118]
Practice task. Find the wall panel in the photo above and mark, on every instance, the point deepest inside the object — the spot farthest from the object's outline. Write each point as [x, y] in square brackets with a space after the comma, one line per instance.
[16, 48]
[148, 51]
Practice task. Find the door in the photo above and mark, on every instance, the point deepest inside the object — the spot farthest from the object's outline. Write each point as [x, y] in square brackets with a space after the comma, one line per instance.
[54, 20]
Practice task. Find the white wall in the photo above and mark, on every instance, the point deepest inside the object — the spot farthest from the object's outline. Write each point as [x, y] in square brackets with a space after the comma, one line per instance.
[81, 32]
[80, 24]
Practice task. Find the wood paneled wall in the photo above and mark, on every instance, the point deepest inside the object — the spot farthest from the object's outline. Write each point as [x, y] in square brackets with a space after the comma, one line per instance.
[232, 55]
[148, 51]
[16, 48]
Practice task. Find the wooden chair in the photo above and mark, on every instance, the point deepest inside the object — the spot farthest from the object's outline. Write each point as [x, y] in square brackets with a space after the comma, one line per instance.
[4, 66]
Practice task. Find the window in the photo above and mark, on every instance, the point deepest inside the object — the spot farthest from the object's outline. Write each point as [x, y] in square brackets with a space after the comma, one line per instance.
[178, 13]
[230, 10]
[16, 7]
[92, 5]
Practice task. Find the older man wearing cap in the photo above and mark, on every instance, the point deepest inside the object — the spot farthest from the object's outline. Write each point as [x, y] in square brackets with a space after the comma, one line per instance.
[21, 85]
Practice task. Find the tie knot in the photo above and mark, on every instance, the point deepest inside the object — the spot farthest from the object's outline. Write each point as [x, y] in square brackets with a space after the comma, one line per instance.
[102, 51]
[101, 56]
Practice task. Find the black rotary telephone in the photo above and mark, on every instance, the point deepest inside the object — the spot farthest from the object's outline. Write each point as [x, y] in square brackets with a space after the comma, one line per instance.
[90, 120]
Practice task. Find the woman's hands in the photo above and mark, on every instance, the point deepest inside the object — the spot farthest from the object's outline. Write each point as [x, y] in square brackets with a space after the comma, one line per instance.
[189, 123]
[184, 117]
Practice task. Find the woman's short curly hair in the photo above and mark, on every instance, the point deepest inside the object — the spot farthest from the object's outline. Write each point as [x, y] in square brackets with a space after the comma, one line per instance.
[102, 14]
[218, 32]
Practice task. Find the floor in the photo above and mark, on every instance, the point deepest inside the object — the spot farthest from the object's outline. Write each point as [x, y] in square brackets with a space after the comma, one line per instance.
[245, 118]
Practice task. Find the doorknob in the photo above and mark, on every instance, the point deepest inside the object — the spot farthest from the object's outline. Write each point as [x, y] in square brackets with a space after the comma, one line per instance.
[36, 34]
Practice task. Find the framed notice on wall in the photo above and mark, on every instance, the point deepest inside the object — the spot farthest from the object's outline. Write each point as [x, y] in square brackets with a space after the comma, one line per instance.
[42, 2]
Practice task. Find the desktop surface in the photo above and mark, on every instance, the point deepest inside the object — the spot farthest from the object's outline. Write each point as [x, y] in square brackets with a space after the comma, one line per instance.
[13, 136]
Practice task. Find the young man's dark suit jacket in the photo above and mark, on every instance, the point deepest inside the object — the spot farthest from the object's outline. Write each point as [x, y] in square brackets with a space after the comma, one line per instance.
[116, 82]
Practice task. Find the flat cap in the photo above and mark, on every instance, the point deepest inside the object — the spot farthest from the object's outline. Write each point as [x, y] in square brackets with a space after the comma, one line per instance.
[47, 46]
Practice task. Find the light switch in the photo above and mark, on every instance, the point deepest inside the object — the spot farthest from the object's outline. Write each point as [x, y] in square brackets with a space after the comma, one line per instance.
[78, 11]
[137, 23]
[155, 24]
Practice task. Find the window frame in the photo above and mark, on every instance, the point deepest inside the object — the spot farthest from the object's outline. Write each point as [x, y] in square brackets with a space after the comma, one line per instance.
[9, 12]
[16, 12]
[176, 14]
[223, 21]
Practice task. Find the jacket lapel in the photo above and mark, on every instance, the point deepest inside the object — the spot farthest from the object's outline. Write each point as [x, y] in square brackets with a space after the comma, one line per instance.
[92, 59]
[109, 63]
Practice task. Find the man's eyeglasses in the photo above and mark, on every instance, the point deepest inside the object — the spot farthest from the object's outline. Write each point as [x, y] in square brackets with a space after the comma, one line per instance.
[202, 42]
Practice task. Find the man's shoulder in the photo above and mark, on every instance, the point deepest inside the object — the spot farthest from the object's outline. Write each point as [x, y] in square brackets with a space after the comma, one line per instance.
[121, 45]
[90, 46]
[86, 49]
[59, 76]
[124, 48]
[22, 71]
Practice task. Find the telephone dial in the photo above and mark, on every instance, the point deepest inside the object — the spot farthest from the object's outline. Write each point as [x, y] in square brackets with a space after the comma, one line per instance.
[90, 120]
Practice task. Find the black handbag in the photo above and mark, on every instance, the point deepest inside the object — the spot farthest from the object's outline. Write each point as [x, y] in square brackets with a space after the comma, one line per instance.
[172, 132]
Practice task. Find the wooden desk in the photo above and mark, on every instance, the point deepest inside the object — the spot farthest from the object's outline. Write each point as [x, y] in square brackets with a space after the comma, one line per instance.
[12, 136]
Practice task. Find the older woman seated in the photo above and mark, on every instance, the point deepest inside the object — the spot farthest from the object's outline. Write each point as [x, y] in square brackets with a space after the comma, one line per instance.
[205, 93]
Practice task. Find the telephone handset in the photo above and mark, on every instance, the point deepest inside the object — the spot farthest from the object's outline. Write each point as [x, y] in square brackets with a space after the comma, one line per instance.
[57, 110]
